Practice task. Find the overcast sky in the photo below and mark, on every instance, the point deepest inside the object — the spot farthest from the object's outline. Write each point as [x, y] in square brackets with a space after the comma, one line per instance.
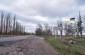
[32, 12]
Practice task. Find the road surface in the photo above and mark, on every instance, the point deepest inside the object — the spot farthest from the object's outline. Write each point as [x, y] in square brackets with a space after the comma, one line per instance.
[11, 40]
[33, 45]
[3, 39]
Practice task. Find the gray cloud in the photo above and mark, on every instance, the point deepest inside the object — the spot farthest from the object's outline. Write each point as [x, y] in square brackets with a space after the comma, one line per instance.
[31, 20]
[52, 9]
[80, 2]
[7, 2]
[55, 8]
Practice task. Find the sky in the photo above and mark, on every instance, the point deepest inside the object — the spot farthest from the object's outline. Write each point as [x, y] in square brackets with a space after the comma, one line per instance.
[32, 12]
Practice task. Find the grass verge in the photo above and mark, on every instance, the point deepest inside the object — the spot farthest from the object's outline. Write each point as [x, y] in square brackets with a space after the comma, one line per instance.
[75, 49]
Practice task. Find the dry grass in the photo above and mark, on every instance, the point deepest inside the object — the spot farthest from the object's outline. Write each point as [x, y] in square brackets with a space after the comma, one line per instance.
[65, 48]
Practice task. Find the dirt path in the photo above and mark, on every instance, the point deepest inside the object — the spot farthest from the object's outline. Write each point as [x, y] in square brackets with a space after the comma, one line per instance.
[32, 46]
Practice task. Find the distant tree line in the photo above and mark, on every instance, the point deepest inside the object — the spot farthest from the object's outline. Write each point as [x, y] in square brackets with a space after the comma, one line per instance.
[9, 25]
[62, 28]
[43, 30]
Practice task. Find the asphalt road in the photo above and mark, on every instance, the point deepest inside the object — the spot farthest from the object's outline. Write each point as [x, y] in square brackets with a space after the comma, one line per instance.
[31, 45]
[11, 40]
[14, 38]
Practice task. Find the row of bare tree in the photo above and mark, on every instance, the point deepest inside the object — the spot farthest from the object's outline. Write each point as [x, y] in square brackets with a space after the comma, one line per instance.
[9, 25]
[62, 28]
[43, 30]
[71, 29]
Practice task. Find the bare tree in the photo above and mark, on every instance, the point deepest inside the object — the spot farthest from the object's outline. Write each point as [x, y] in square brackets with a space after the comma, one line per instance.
[55, 30]
[70, 29]
[14, 22]
[17, 28]
[60, 27]
[10, 26]
[79, 25]
[2, 17]
[48, 30]
[7, 23]
[4, 26]
[39, 30]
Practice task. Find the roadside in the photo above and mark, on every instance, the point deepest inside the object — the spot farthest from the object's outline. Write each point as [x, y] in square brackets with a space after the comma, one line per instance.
[65, 47]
